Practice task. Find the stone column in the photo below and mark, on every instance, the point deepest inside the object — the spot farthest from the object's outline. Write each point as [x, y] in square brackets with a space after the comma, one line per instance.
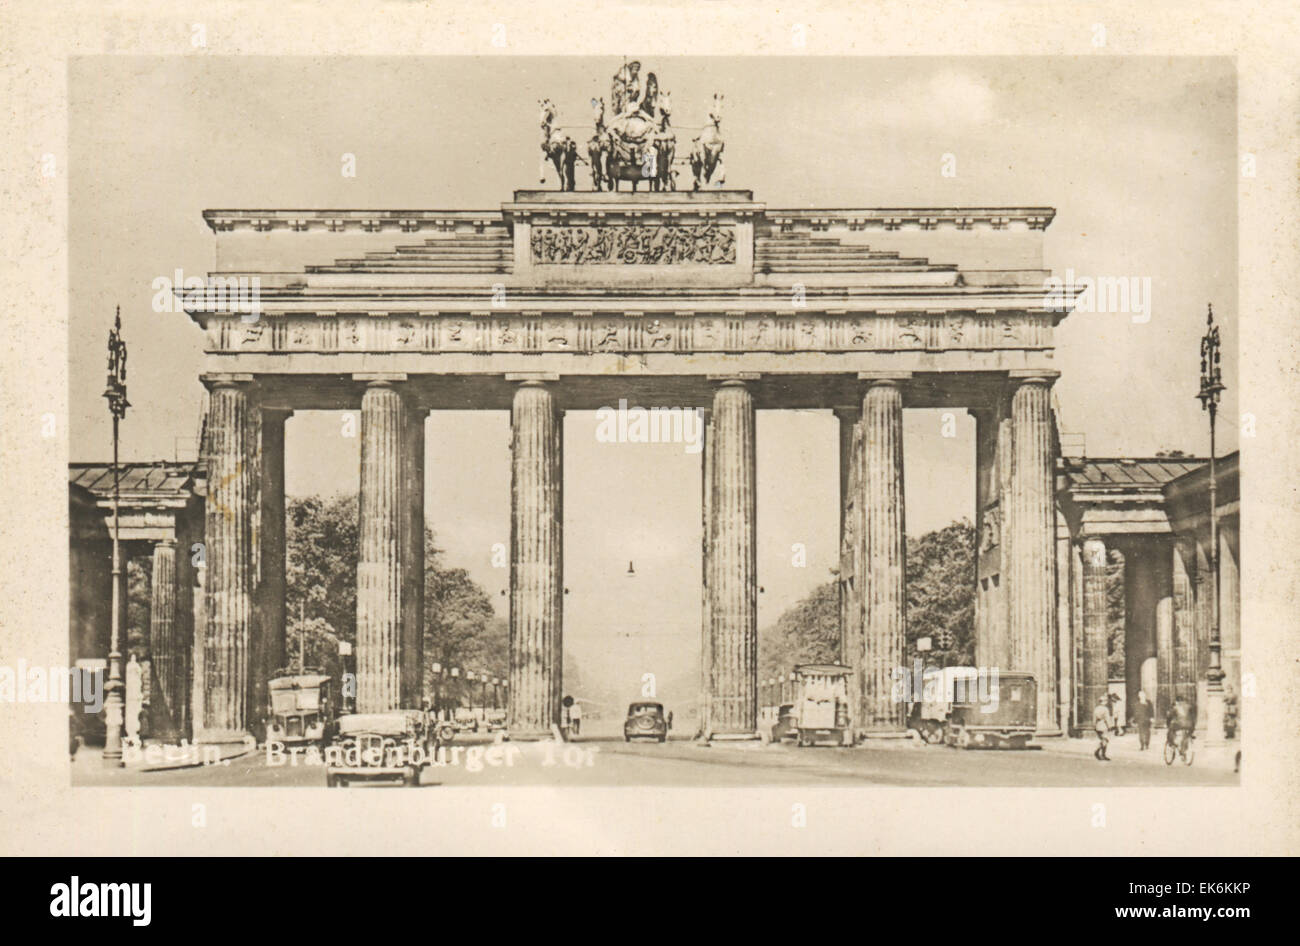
[536, 563]
[884, 595]
[1077, 720]
[1166, 659]
[381, 529]
[851, 653]
[1230, 609]
[706, 622]
[1184, 636]
[164, 646]
[268, 644]
[1065, 628]
[198, 673]
[230, 568]
[1095, 622]
[987, 544]
[733, 661]
[1204, 619]
[1030, 531]
[412, 650]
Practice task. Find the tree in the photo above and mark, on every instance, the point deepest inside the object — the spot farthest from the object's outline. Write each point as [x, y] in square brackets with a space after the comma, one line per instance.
[941, 593]
[940, 588]
[460, 627]
[808, 632]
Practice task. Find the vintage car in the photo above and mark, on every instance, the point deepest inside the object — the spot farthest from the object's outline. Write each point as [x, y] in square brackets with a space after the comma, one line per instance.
[994, 711]
[464, 719]
[387, 747]
[786, 726]
[495, 720]
[301, 708]
[822, 707]
[645, 721]
[929, 708]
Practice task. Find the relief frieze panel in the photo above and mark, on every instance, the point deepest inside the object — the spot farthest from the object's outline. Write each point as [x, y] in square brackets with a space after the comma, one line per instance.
[705, 244]
[632, 332]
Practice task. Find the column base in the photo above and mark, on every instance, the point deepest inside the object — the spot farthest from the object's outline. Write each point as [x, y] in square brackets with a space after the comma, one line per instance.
[740, 740]
[534, 735]
[224, 737]
[1214, 712]
[883, 734]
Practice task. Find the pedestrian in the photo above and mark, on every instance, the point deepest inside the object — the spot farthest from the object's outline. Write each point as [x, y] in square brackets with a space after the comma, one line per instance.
[575, 717]
[1101, 720]
[1143, 714]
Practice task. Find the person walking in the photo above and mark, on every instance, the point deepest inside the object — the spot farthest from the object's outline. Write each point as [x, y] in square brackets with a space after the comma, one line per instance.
[1101, 721]
[1143, 714]
[575, 717]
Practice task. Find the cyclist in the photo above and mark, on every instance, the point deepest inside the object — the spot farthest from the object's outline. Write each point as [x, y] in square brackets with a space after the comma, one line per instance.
[1180, 722]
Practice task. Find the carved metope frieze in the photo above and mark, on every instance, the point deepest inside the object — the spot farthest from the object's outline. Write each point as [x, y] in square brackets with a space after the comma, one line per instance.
[630, 332]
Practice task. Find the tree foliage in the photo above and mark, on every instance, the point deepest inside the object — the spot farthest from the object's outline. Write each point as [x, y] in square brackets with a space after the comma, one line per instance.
[941, 593]
[461, 629]
[940, 587]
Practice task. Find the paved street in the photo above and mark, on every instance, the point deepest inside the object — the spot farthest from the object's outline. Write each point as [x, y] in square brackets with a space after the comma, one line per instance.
[599, 761]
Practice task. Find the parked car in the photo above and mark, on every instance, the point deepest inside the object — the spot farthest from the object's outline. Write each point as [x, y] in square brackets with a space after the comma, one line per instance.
[999, 713]
[786, 727]
[495, 721]
[464, 720]
[389, 747]
[645, 721]
[301, 707]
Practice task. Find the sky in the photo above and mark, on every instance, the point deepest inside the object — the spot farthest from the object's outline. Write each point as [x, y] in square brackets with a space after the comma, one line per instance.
[1137, 155]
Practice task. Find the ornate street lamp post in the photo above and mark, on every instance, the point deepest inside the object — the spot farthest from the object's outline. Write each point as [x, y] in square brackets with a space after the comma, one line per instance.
[115, 392]
[1211, 388]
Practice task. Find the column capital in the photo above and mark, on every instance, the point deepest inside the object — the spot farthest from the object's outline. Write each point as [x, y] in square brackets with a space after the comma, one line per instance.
[734, 378]
[885, 377]
[849, 412]
[1018, 376]
[532, 377]
[226, 379]
[379, 377]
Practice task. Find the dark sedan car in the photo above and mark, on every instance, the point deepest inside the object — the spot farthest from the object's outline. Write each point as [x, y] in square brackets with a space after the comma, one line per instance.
[645, 721]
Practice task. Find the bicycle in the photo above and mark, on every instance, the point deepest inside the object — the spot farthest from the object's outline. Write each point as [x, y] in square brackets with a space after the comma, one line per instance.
[1183, 748]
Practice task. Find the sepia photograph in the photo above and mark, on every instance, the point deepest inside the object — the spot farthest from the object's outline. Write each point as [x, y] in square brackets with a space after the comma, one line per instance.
[700, 419]
[674, 429]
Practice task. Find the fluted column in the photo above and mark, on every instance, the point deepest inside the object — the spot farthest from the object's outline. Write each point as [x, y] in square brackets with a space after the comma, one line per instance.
[164, 647]
[1095, 630]
[412, 650]
[381, 530]
[1184, 637]
[883, 592]
[268, 630]
[231, 499]
[1065, 626]
[850, 583]
[733, 567]
[706, 621]
[536, 579]
[1031, 530]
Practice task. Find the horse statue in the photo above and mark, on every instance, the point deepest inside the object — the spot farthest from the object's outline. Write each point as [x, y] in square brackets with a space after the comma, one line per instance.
[639, 137]
[598, 146]
[706, 150]
[556, 146]
[665, 146]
